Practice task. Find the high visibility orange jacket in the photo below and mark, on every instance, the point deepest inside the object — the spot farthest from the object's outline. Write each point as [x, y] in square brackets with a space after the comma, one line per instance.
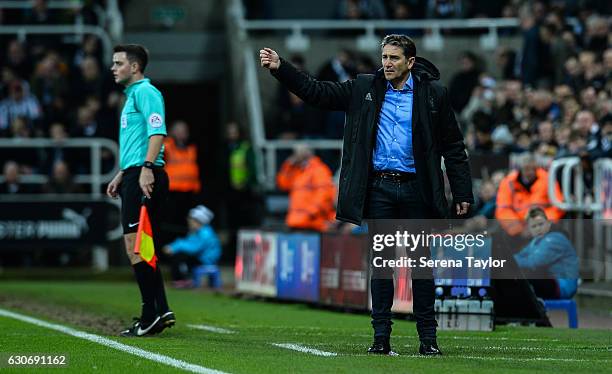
[311, 194]
[182, 167]
[514, 201]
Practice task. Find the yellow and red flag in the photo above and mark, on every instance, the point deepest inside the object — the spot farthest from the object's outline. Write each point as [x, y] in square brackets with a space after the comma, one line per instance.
[144, 239]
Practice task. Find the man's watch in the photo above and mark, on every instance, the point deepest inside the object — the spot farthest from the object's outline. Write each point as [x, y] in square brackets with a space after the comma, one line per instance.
[148, 165]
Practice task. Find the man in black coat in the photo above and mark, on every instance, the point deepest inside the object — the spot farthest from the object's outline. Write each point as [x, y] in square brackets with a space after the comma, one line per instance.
[399, 124]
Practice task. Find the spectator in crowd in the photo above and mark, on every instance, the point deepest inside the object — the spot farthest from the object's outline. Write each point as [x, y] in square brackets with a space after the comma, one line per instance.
[604, 148]
[295, 118]
[464, 81]
[90, 47]
[17, 60]
[503, 141]
[61, 181]
[597, 34]
[49, 84]
[242, 193]
[575, 146]
[486, 200]
[89, 82]
[340, 68]
[299, 120]
[86, 124]
[521, 190]
[311, 190]
[549, 256]
[58, 152]
[40, 14]
[28, 158]
[586, 127]
[544, 142]
[361, 9]
[535, 55]
[11, 183]
[18, 104]
[542, 107]
[560, 45]
[444, 9]
[506, 63]
[200, 247]
[183, 172]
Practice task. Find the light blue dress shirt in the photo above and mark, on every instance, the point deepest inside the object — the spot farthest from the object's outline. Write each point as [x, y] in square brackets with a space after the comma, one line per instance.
[393, 151]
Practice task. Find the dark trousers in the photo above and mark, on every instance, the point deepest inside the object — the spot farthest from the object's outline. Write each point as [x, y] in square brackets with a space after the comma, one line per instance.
[388, 199]
[182, 265]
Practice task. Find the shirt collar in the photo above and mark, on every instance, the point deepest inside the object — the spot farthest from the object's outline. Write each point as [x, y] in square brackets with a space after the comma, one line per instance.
[131, 87]
[407, 86]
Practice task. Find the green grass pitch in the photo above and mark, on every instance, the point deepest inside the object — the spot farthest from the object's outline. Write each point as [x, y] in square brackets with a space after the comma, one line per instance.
[102, 308]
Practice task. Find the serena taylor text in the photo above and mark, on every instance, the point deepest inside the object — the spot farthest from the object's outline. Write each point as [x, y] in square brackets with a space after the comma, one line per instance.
[424, 262]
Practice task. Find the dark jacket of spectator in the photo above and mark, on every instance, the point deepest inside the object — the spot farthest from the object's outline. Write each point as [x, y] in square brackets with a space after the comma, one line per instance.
[555, 253]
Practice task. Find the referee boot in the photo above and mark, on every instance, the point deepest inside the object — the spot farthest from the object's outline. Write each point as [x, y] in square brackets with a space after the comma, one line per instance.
[381, 346]
[166, 320]
[429, 347]
[141, 328]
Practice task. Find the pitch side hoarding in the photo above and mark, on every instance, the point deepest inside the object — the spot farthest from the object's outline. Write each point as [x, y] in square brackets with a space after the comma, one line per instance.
[344, 270]
[256, 256]
[298, 266]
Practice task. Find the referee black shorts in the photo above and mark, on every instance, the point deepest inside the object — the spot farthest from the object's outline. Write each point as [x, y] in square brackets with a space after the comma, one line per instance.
[131, 199]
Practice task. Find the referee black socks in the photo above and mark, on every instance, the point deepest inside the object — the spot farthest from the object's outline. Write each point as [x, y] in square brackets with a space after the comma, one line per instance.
[160, 292]
[145, 276]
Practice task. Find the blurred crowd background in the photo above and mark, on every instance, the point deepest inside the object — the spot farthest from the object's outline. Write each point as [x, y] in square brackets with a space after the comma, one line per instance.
[551, 96]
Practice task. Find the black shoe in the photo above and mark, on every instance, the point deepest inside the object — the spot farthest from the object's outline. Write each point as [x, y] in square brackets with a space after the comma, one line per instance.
[166, 320]
[381, 347]
[139, 328]
[429, 348]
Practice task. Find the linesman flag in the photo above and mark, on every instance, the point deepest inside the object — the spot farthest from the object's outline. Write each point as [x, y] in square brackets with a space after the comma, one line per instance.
[144, 239]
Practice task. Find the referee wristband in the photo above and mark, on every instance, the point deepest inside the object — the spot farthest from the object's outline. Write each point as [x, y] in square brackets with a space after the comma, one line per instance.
[148, 165]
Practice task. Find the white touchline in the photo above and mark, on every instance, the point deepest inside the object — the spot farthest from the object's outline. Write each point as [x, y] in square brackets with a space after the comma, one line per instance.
[504, 348]
[494, 338]
[218, 330]
[301, 348]
[112, 344]
[514, 358]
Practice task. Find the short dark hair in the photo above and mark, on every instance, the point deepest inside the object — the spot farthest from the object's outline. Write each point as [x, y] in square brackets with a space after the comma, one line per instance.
[401, 41]
[536, 211]
[134, 53]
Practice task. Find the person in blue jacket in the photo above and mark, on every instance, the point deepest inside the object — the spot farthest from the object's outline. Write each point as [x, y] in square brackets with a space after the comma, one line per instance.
[200, 247]
[549, 251]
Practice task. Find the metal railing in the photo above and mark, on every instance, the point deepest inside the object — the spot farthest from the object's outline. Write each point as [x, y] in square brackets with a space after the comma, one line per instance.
[272, 146]
[265, 150]
[26, 4]
[433, 40]
[22, 31]
[96, 179]
[575, 200]
[79, 30]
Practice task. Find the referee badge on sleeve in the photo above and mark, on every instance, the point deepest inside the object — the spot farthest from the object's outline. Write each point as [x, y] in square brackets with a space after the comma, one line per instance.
[156, 120]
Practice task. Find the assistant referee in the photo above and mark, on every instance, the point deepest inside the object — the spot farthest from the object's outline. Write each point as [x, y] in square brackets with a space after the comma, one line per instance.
[141, 134]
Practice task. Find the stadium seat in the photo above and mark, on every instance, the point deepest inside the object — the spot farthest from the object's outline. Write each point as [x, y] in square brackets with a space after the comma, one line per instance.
[213, 272]
[569, 306]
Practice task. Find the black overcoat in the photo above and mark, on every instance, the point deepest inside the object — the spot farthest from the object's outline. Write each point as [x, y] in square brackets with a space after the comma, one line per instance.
[435, 134]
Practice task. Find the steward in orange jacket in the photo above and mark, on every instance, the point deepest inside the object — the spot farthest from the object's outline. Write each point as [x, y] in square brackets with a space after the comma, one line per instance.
[182, 166]
[311, 191]
[521, 190]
